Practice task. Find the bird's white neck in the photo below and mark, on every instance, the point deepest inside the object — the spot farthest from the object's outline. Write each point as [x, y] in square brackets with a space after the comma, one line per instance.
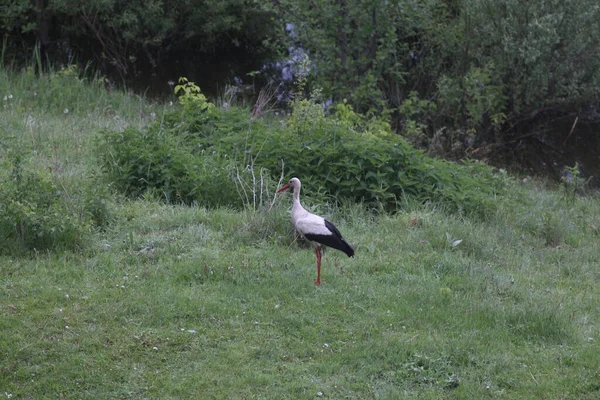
[297, 209]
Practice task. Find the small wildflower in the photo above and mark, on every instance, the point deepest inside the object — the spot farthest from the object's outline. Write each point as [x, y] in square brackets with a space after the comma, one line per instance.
[10, 96]
[66, 111]
[171, 83]
[320, 394]
[276, 305]
[66, 326]
[171, 104]
[5, 98]
[155, 348]
[153, 115]
[35, 93]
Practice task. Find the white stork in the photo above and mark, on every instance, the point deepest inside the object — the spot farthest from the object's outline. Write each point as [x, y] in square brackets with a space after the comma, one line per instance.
[316, 229]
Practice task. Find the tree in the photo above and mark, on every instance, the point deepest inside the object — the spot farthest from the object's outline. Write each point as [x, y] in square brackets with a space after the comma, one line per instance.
[363, 49]
[524, 60]
[188, 37]
[484, 68]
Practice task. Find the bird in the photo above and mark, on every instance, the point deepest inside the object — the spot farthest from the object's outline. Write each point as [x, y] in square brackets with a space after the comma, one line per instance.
[316, 229]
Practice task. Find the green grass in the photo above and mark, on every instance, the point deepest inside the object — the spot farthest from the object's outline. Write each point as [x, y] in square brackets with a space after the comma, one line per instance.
[183, 302]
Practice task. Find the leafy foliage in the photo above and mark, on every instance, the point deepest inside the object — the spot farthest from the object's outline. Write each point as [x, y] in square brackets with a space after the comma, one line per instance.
[485, 69]
[573, 183]
[377, 169]
[129, 38]
[195, 154]
[452, 74]
[190, 96]
[166, 165]
[360, 47]
[172, 158]
[39, 214]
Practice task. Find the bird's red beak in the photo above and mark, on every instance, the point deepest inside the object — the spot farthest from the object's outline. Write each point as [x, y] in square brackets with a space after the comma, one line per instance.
[284, 187]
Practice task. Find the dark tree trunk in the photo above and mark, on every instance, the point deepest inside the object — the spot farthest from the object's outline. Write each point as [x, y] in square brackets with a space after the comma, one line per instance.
[43, 18]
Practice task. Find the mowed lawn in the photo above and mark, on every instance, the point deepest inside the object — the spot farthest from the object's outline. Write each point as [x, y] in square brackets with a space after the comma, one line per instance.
[172, 302]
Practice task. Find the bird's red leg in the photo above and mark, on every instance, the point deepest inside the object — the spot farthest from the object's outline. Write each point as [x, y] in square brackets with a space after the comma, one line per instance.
[318, 253]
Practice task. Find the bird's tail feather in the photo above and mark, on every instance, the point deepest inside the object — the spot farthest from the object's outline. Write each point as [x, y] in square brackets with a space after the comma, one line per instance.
[346, 248]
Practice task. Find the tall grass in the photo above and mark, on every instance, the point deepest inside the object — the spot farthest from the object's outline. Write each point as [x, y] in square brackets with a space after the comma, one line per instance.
[57, 115]
[49, 126]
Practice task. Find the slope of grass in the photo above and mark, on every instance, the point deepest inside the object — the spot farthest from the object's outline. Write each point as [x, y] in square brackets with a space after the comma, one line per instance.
[183, 302]
[56, 118]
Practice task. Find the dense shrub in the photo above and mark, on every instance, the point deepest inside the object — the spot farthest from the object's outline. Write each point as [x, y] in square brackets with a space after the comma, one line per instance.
[37, 214]
[380, 170]
[196, 153]
[172, 167]
[175, 160]
[372, 165]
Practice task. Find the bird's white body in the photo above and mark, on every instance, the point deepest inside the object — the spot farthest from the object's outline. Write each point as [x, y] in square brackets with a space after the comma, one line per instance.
[306, 222]
[315, 228]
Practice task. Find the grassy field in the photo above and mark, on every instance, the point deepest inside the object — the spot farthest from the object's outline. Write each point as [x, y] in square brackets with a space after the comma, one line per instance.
[183, 302]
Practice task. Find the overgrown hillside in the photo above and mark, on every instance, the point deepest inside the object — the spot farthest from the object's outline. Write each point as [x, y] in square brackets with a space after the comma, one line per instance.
[499, 80]
[144, 255]
[200, 153]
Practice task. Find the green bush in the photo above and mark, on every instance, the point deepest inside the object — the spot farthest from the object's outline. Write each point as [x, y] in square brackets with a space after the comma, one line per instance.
[172, 160]
[38, 214]
[186, 156]
[196, 153]
[377, 169]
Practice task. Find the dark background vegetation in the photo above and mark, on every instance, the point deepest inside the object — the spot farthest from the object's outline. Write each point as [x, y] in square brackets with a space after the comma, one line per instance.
[516, 83]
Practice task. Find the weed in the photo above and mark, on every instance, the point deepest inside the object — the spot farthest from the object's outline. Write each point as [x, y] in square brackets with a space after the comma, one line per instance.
[573, 183]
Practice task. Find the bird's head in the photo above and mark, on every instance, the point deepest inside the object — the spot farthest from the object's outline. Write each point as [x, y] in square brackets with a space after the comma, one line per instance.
[293, 185]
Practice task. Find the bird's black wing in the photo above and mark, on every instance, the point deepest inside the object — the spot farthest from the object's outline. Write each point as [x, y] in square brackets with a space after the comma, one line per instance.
[334, 240]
